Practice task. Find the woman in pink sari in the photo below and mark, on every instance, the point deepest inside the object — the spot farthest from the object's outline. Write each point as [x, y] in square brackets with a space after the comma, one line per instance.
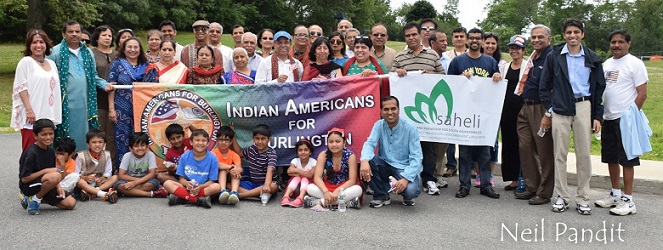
[242, 73]
[168, 70]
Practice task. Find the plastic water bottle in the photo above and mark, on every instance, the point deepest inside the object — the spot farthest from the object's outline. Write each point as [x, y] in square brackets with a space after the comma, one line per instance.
[264, 197]
[194, 185]
[341, 201]
[542, 132]
[392, 183]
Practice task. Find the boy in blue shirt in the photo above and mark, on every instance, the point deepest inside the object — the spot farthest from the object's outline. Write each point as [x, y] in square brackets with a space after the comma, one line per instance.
[198, 172]
[260, 175]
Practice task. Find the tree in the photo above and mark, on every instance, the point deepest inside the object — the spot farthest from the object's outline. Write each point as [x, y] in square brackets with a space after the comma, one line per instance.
[448, 18]
[509, 17]
[421, 9]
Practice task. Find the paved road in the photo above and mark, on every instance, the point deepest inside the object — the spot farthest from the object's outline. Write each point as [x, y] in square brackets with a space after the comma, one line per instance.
[435, 222]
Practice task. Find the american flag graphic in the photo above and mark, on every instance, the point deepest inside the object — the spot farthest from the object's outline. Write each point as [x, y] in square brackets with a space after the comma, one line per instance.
[611, 76]
[167, 111]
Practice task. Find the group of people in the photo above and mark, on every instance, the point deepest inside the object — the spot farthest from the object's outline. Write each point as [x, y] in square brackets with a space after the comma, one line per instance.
[548, 95]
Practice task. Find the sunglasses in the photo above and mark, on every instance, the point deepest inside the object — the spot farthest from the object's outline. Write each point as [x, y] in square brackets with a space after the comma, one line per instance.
[315, 33]
[123, 30]
[427, 28]
[199, 29]
[301, 35]
[267, 38]
[86, 41]
[336, 41]
[379, 34]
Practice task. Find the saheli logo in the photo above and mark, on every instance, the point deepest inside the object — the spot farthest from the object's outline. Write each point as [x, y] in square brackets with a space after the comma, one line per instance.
[440, 89]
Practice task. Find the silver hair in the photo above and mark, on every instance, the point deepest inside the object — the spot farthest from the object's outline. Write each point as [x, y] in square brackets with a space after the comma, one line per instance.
[215, 23]
[154, 31]
[545, 28]
[351, 30]
[240, 49]
[250, 34]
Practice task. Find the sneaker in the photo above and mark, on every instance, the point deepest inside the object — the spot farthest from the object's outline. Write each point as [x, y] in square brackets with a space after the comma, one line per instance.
[174, 200]
[354, 203]
[560, 205]
[25, 200]
[223, 197]
[111, 196]
[380, 203]
[204, 201]
[233, 198]
[477, 181]
[298, 202]
[33, 207]
[584, 209]
[285, 201]
[431, 188]
[609, 201]
[310, 201]
[625, 207]
[408, 203]
[442, 183]
[450, 172]
[160, 193]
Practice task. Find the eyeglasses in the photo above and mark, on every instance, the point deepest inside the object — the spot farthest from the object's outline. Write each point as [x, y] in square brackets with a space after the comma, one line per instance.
[360, 37]
[473, 38]
[214, 31]
[315, 33]
[379, 35]
[336, 41]
[490, 34]
[301, 35]
[86, 41]
[125, 30]
[427, 28]
[267, 38]
[199, 29]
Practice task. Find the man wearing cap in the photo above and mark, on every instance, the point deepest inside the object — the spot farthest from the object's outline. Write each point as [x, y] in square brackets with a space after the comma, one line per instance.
[280, 67]
[302, 45]
[513, 72]
[215, 32]
[169, 31]
[399, 156]
[571, 89]
[190, 52]
[536, 151]
[379, 37]
[314, 32]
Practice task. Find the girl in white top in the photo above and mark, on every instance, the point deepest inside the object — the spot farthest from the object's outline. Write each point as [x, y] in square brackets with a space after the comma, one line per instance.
[300, 171]
[36, 91]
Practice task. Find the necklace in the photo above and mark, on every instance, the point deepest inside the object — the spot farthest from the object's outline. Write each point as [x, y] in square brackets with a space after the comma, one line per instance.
[40, 61]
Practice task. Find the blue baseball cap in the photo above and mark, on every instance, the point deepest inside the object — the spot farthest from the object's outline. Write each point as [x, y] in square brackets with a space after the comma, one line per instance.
[282, 33]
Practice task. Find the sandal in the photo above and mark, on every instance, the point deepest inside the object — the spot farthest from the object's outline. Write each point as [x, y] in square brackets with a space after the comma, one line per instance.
[298, 202]
[285, 201]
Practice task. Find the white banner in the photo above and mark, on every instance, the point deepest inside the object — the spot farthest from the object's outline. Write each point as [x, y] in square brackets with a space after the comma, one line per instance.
[451, 109]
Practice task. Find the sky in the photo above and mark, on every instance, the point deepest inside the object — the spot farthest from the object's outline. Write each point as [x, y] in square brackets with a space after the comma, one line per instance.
[470, 10]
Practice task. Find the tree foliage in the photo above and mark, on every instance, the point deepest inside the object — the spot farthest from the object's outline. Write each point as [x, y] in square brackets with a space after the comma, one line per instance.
[421, 9]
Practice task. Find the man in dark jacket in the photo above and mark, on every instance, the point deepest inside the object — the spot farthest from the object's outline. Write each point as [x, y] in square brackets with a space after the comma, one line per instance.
[571, 88]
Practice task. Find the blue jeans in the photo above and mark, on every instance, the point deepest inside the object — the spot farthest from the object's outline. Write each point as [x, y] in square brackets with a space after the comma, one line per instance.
[381, 171]
[483, 158]
[451, 156]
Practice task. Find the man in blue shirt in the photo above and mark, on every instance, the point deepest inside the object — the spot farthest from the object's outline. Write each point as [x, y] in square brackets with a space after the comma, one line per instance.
[399, 155]
[571, 88]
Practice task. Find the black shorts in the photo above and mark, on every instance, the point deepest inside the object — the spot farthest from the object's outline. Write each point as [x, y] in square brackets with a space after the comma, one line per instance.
[30, 189]
[612, 149]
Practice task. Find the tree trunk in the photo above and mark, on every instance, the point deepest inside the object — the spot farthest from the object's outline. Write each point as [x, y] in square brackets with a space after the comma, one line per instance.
[37, 14]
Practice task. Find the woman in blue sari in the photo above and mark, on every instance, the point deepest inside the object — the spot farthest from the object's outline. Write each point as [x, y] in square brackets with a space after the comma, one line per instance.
[129, 67]
[242, 73]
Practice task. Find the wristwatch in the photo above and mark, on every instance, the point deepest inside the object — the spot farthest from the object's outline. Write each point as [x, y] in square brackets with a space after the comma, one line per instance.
[548, 114]
[232, 167]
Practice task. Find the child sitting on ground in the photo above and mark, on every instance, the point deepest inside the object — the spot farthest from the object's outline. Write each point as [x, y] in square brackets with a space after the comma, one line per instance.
[38, 178]
[138, 169]
[64, 151]
[230, 166]
[95, 169]
[198, 172]
[260, 176]
[178, 145]
[300, 171]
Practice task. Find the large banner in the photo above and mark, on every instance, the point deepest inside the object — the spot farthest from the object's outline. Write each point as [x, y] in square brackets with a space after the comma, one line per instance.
[451, 109]
[292, 111]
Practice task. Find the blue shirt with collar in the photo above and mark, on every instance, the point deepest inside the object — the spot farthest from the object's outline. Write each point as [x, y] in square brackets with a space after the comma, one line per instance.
[445, 60]
[399, 147]
[578, 73]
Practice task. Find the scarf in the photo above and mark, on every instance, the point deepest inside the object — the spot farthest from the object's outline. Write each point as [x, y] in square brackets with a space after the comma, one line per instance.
[136, 73]
[207, 73]
[63, 70]
[293, 66]
[521, 84]
[327, 70]
[237, 77]
[384, 82]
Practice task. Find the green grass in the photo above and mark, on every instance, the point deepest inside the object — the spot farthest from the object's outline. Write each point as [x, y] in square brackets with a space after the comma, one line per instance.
[10, 54]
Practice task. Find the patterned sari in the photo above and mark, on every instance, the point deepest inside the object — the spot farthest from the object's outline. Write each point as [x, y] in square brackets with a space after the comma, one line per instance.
[236, 77]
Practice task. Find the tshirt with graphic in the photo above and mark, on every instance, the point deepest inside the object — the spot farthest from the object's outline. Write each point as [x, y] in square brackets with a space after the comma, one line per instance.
[206, 169]
[484, 66]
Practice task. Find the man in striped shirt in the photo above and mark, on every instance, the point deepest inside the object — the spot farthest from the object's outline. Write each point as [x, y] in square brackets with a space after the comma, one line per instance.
[417, 58]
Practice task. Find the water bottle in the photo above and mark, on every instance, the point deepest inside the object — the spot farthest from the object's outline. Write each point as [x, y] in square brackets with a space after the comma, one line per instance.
[264, 197]
[542, 132]
[194, 185]
[392, 183]
[341, 201]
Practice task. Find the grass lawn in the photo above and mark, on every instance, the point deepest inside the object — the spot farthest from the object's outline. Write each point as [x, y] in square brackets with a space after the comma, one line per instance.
[10, 54]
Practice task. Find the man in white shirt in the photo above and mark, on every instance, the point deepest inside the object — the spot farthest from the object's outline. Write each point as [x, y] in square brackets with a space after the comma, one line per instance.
[280, 67]
[249, 43]
[215, 32]
[626, 83]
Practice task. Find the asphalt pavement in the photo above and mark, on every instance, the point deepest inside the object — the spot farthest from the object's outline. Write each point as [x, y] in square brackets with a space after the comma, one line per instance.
[435, 222]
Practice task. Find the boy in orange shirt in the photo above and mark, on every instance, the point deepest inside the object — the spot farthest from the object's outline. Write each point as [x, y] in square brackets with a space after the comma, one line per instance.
[64, 151]
[230, 166]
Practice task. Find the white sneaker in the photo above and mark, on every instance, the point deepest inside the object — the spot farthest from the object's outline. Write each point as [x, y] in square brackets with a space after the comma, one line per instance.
[560, 205]
[442, 183]
[624, 207]
[431, 188]
[610, 201]
[583, 209]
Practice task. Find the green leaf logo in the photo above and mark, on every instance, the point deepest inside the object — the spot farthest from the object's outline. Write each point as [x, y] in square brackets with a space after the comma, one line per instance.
[440, 89]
